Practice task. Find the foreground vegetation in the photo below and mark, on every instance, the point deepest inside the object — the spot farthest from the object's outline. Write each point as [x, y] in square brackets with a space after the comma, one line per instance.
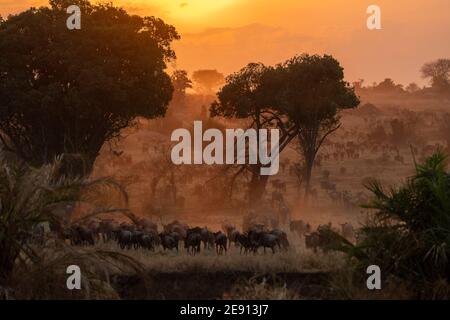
[408, 237]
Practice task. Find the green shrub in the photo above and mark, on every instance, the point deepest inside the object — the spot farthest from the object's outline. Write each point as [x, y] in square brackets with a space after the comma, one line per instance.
[408, 236]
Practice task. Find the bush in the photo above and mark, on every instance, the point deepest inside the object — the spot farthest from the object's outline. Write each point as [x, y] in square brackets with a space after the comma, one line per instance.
[408, 236]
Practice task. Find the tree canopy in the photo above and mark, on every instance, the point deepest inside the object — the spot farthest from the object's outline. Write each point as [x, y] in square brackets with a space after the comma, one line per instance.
[180, 82]
[301, 97]
[312, 94]
[69, 91]
[208, 79]
[439, 73]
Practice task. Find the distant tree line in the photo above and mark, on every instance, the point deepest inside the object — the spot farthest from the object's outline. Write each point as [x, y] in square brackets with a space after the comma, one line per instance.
[436, 72]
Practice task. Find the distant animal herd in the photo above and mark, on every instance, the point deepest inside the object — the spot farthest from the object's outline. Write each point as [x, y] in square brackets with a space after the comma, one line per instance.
[176, 236]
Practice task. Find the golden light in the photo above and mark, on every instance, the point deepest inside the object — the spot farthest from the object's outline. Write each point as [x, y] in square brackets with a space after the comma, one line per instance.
[196, 9]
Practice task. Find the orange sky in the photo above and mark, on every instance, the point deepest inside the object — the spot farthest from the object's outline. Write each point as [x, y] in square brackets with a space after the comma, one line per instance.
[227, 34]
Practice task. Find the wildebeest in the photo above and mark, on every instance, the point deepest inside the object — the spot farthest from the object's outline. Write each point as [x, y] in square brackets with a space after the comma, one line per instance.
[192, 243]
[177, 227]
[231, 233]
[244, 242]
[206, 236]
[136, 238]
[147, 241]
[107, 229]
[263, 239]
[94, 226]
[169, 241]
[124, 238]
[282, 238]
[221, 241]
[81, 235]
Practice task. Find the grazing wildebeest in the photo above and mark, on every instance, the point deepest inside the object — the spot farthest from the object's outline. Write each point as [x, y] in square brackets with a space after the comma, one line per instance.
[94, 227]
[205, 234]
[107, 229]
[136, 238]
[244, 241]
[263, 239]
[211, 240]
[221, 242]
[176, 236]
[81, 235]
[168, 241]
[147, 241]
[282, 238]
[124, 238]
[177, 227]
[193, 242]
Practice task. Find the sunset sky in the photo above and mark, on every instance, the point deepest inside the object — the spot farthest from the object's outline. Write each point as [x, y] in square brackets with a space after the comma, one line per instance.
[227, 34]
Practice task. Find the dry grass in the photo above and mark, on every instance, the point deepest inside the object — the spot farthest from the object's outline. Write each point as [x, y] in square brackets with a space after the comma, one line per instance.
[102, 263]
[297, 259]
[255, 290]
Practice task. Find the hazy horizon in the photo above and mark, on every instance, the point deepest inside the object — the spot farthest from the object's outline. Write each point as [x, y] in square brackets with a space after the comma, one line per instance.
[227, 34]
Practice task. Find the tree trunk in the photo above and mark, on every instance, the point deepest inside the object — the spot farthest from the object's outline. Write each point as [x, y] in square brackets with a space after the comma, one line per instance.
[309, 164]
[257, 188]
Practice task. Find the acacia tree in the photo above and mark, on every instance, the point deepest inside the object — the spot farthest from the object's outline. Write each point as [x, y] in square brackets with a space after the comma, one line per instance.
[250, 94]
[69, 91]
[439, 73]
[208, 79]
[313, 90]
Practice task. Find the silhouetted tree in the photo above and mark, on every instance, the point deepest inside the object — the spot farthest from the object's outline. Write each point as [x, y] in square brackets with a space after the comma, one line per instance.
[439, 74]
[412, 87]
[180, 82]
[249, 94]
[301, 97]
[69, 91]
[388, 86]
[313, 91]
[208, 80]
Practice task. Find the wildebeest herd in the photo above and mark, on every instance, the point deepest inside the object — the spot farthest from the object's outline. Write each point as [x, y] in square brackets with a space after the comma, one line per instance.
[144, 234]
